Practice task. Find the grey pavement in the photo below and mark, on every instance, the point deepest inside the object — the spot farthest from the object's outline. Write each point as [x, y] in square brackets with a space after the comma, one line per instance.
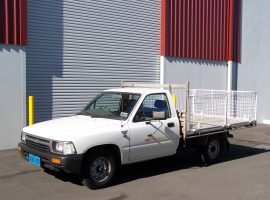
[243, 173]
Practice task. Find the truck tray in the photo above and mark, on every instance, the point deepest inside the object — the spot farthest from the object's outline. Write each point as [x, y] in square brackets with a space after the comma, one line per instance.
[212, 109]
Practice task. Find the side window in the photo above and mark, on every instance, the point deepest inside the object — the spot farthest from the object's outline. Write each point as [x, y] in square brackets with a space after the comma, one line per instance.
[152, 103]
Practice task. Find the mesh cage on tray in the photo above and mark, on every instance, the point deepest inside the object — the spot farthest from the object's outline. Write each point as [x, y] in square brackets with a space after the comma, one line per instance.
[214, 108]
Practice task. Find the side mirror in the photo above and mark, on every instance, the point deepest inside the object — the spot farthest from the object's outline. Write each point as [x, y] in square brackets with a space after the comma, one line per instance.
[159, 115]
[123, 115]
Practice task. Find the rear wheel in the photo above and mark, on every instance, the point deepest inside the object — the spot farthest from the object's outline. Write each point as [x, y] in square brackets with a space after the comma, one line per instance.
[212, 150]
[99, 169]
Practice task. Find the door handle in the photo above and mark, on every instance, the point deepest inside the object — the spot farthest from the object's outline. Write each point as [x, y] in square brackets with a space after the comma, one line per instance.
[171, 124]
[124, 133]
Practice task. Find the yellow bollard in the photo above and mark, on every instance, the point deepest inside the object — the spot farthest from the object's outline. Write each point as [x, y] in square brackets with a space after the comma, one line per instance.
[31, 109]
[174, 100]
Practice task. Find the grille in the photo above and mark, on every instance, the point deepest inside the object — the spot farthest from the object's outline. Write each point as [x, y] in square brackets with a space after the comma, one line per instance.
[38, 143]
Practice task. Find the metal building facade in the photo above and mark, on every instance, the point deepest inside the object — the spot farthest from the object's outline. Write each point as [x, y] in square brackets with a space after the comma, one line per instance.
[74, 49]
[204, 29]
[197, 38]
[78, 48]
[13, 22]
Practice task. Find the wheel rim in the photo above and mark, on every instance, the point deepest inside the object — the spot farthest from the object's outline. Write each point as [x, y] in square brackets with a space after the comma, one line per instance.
[100, 169]
[213, 149]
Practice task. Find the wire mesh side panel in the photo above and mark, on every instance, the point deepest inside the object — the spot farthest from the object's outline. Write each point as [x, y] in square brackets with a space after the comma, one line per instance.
[218, 108]
[207, 109]
[241, 107]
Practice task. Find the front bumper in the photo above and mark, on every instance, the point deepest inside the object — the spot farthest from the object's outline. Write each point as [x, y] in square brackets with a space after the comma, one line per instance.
[69, 163]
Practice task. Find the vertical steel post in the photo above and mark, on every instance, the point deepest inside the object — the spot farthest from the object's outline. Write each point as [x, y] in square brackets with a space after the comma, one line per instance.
[162, 70]
[226, 109]
[174, 99]
[31, 109]
[232, 76]
[229, 75]
[187, 113]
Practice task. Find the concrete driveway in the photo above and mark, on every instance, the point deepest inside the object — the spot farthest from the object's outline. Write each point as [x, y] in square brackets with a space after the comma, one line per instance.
[243, 173]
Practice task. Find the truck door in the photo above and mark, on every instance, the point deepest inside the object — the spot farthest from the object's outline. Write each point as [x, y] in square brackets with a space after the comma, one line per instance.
[151, 138]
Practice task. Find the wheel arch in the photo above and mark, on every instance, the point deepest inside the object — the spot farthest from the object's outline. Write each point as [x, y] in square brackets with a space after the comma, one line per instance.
[112, 148]
[222, 136]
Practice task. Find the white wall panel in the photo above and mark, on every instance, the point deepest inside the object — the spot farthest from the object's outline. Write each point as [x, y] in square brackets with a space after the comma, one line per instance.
[12, 90]
[254, 69]
[202, 74]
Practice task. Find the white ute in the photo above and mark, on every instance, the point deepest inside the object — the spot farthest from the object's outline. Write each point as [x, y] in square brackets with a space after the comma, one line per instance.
[135, 123]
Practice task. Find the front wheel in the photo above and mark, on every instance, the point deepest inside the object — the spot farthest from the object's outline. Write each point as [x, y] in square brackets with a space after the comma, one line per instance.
[212, 150]
[99, 169]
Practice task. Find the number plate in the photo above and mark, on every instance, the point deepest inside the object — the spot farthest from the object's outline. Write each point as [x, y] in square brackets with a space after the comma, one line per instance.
[34, 160]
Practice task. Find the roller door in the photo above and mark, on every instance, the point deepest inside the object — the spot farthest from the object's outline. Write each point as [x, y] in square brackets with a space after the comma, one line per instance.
[78, 48]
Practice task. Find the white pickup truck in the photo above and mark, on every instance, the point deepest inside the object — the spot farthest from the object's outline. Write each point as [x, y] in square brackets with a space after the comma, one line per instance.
[135, 123]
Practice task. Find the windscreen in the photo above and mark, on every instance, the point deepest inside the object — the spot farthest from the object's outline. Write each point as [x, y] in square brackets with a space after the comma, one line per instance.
[110, 105]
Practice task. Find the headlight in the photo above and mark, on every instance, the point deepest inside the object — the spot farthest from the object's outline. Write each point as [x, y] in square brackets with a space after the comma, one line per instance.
[23, 137]
[63, 147]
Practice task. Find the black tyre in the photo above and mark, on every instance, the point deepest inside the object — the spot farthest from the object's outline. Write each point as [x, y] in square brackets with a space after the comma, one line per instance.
[211, 152]
[99, 169]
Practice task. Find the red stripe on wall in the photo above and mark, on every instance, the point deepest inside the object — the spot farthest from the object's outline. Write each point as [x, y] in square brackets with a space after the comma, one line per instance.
[201, 29]
[237, 33]
[13, 22]
[6, 22]
[23, 22]
[207, 28]
[163, 29]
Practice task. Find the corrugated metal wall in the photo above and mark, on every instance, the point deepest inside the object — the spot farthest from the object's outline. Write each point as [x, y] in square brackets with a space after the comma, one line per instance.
[13, 22]
[78, 48]
[201, 29]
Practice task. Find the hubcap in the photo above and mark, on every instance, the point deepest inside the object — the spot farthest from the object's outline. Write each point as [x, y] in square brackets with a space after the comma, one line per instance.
[213, 149]
[100, 169]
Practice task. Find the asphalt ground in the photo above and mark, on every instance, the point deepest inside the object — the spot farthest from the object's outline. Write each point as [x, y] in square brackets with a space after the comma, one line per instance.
[243, 173]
